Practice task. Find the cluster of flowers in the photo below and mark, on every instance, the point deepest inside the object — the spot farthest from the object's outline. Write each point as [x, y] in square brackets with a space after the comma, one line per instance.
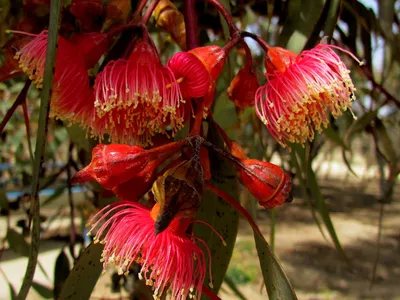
[136, 97]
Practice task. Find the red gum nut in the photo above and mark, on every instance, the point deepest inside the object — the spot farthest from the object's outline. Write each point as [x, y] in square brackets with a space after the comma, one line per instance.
[193, 77]
[212, 57]
[242, 90]
[112, 165]
[272, 185]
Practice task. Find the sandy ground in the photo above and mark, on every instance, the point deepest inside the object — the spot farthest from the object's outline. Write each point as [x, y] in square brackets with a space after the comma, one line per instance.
[312, 264]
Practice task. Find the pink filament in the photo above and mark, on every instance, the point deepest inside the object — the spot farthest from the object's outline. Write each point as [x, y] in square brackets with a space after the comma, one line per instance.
[169, 260]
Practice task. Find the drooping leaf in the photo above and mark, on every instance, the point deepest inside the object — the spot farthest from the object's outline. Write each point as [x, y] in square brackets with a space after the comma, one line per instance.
[61, 272]
[359, 125]
[83, 277]
[3, 200]
[42, 290]
[234, 288]
[17, 242]
[276, 282]
[218, 214]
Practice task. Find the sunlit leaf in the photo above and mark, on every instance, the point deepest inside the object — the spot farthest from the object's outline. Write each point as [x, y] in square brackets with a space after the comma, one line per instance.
[276, 282]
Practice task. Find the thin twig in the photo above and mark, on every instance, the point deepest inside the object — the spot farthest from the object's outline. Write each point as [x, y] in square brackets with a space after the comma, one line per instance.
[149, 11]
[20, 99]
[28, 130]
[71, 205]
[55, 7]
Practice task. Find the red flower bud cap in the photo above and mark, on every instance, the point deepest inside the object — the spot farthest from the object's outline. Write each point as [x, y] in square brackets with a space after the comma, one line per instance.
[243, 88]
[212, 57]
[279, 59]
[112, 165]
[267, 182]
[193, 77]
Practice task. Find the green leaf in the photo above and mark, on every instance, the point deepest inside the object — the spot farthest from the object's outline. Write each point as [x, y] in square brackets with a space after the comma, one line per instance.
[83, 277]
[359, 125]
[334, 136]
[17, 242]
[385, 143]
[234, 288]
[42, 290]
[218, 214]
[13, 294]
[310, 182]
[3, 200]
[61, 272]
[275, 279]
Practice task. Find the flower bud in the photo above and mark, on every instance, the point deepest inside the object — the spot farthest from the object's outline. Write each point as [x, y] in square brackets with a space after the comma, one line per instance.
[117, 12]
[212, 57]
[169, 18]
[267, 182]
[243, 87]
[278, 59]
[193, 77]
[113, 164]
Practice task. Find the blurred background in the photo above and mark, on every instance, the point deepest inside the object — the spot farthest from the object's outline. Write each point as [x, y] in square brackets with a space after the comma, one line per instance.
[338, 239]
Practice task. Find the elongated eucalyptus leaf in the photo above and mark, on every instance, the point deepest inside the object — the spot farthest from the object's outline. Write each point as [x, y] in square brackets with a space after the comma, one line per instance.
[276, 282]
[3, 200]
[217, 213]
[310, 182]
[234, 288]
[83, 277]
[42, 290]
[359, 125]
[61, 272]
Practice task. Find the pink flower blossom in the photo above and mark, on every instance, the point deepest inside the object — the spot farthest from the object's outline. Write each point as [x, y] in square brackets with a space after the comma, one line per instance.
[72, 98]
[301, 91]
[171, 260]
[137, 98]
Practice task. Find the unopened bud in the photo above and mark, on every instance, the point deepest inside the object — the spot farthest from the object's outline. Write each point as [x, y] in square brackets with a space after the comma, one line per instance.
[267, 182]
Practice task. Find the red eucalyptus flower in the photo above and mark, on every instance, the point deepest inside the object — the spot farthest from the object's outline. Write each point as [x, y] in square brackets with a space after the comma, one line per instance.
[72, 97]
[171, 260]
[137, 98]
[300, 92]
